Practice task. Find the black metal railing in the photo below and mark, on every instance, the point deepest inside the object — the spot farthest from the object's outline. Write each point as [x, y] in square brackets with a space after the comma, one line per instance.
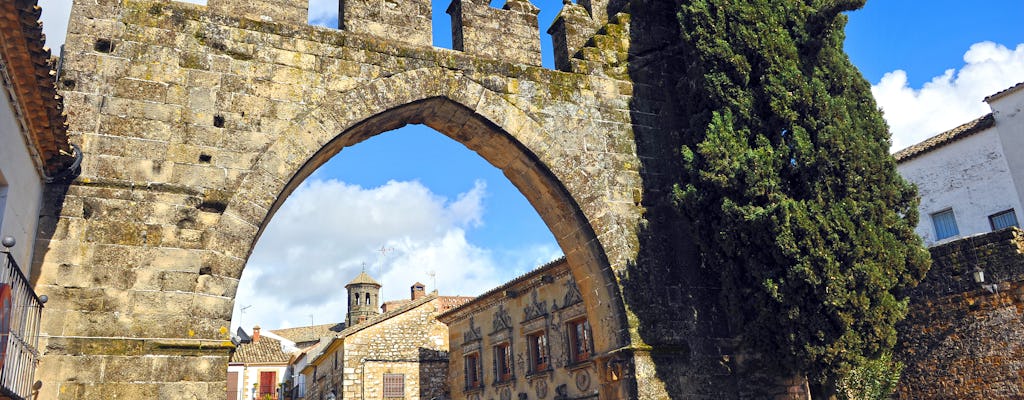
[20, 311]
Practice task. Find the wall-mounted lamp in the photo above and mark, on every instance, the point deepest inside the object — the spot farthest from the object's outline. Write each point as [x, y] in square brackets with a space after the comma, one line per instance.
[979, 275]
[979, 278]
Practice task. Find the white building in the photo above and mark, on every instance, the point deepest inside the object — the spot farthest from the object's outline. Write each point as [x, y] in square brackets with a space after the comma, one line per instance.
[258, 368]
[971, 178]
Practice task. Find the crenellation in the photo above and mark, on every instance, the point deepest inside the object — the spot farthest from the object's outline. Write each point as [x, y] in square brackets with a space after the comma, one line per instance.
[282, 11]
[569, 33]
[406, 21]
[509, 34]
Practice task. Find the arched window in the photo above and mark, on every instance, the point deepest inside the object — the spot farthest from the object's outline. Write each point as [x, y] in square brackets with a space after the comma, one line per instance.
[367, 299]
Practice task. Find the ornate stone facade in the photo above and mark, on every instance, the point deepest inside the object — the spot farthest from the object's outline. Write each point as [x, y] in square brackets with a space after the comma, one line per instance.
[540, 319]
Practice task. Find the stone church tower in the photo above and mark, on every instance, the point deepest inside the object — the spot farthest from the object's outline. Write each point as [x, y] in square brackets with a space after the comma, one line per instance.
[362, 299]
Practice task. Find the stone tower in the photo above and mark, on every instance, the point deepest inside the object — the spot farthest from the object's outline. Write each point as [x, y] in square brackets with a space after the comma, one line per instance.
[362, 299]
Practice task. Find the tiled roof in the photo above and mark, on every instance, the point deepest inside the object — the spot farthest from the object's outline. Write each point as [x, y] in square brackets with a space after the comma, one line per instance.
[266, 350]
[943, 138]
[29, 69]
[363, 279]
[304, 334]
[1004, 92]
[450, 302]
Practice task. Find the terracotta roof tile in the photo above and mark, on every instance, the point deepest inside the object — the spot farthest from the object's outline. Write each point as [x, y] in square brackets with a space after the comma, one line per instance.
[305, 334]
[1004, 92]
[362, 279]
[29, 67]
[943, 138]
[266, 350]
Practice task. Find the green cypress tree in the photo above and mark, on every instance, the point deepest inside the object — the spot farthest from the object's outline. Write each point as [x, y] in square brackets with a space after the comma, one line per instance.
[789, 186]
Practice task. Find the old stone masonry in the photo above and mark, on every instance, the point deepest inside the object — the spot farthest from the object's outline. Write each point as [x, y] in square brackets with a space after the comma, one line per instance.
[197, 122]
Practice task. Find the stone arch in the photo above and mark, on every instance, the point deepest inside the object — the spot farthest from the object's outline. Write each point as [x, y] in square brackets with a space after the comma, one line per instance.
[462, 109]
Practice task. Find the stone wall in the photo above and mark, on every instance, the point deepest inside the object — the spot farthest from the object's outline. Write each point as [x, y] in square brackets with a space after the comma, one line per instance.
[407, 21]
[197, 122]
[510, 33]
[410, 343]
[961, 339]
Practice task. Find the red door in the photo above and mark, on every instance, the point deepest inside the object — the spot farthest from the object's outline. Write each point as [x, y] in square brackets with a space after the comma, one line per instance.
[268, 385]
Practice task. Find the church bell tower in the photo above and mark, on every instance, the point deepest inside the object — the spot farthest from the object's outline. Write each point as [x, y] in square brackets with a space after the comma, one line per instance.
[363, 299]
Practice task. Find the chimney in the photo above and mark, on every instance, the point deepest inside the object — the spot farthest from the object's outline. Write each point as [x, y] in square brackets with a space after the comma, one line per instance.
[256, 333]
[418, 290]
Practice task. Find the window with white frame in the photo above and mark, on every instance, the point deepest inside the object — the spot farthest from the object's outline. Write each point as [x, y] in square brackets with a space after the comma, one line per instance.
[945, 224]
[1003, 219]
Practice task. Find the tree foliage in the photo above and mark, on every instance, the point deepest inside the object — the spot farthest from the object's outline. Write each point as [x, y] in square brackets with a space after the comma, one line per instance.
[789, 185]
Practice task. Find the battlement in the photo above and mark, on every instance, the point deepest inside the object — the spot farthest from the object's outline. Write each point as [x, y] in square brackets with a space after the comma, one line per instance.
[281, 11]
[510, 33]
[406, 21]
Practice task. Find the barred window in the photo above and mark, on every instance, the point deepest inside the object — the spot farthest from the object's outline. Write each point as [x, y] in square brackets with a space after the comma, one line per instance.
[394, 386]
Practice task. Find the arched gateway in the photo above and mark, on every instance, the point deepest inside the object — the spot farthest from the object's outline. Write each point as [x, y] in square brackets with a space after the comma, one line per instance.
[198, 121]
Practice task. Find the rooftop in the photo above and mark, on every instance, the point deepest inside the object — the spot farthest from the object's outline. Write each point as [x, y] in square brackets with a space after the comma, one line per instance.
[944, 138]
[30, 77]
[363, 279]
[266, 350]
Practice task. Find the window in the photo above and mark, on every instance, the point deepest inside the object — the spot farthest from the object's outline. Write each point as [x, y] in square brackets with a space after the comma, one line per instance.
[367, 299]
[538, 346]
[1003, 219]
[503, 362]
[474, 378]
[268, 384]
[579, 340]
[300, 386]
[945, 224]
[394, 385]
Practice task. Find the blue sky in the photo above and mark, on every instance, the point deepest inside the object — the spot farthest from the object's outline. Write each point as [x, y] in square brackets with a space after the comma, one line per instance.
[438, 207]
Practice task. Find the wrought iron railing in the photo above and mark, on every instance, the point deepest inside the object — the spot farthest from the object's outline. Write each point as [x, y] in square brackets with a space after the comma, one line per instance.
[20, 311]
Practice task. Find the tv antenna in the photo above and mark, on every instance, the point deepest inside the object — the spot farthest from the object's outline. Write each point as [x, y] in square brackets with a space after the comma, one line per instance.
[433, 275]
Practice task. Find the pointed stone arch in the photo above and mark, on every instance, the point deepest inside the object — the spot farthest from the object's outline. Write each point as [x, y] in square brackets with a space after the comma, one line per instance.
[465, 111]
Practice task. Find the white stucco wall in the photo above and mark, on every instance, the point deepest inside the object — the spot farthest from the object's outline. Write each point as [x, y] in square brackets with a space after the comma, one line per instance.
[970, 176]
[24, 186]
[1009, 117]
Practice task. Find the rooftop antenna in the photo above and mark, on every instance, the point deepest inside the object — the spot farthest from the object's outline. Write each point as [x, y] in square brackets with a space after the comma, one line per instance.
[433, 275]
[311, 320]
[384, 252]
[245, 308]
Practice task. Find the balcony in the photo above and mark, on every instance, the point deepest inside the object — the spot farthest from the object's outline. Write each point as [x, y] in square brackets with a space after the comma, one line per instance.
[20, 310]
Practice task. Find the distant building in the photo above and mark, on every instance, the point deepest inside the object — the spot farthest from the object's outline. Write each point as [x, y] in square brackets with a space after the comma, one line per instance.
[363, 294]
[400, 354]
[528, 337]
[257, 370]
[34, 151]
[311, 341]
[971, 178]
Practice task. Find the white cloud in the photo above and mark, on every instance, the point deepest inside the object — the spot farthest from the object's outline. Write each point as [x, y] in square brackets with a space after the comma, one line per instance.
[948, 100]
[325, 231]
